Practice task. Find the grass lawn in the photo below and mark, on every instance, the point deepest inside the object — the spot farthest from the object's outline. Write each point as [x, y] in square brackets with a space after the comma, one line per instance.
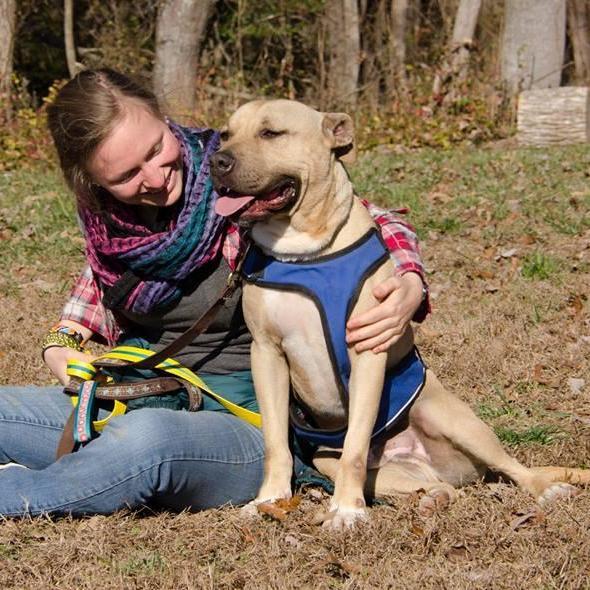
[506, 241]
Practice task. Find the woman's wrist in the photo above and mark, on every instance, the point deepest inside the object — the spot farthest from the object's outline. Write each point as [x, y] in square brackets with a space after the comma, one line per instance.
[62, 336]
[416, 285]
[420, 293]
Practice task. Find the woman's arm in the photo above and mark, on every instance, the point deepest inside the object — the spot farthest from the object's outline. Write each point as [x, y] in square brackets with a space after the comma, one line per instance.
[85, 307]
[85, 314]
[403, 297]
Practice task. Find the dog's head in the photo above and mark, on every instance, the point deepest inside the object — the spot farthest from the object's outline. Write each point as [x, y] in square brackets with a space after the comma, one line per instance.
[276, 154]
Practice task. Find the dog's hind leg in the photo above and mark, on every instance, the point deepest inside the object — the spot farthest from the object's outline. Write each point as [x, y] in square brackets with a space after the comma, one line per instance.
[440, 416]
[398, 478]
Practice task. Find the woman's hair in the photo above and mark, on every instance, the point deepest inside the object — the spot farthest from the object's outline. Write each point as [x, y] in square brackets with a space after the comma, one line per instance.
[84, 113]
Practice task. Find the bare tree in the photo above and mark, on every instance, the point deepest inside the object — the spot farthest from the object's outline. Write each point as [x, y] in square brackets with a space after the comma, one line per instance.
[533, 44]
[399, 25]
[578, 18]
[180, 30]
[7, 32]
[70, 44]
[455, 66]
[344, 51]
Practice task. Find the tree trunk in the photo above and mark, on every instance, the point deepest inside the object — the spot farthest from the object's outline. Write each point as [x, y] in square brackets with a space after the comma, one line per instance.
[463, 34]
[455, 67]
[344, 50]
[578, 17]
[399, 26]
[7, 32]
[180, 30]
[533, 44]
[69, 37]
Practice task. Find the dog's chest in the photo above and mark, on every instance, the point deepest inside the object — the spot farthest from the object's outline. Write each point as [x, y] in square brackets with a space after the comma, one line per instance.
[294, 320]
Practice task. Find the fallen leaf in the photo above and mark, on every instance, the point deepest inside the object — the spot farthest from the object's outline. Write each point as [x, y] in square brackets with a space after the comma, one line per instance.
[576, 304]
[491, 288]
[507, 253]
[576, 385]
[346, 567]
[272, 510]
[247, 534]
[417, 530]
[429, 332]
[527, 239]
[484, 274]
[532, 518]
[279, 509]
[315, 495]
[457, 552]
[289, 504]
[514, 205]
[538, 375]
[293, 541]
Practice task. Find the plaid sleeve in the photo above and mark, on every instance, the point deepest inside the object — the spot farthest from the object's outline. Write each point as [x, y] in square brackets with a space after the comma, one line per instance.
[401, 240]
[234, 243]
[85, 307]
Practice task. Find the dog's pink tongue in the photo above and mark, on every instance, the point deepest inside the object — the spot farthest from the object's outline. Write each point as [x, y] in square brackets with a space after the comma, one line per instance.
[227, 206]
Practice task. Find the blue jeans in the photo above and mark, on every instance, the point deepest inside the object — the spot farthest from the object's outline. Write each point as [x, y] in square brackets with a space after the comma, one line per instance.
[163, 458]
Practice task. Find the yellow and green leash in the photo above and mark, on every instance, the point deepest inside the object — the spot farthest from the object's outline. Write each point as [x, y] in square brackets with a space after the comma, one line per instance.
[86, 372]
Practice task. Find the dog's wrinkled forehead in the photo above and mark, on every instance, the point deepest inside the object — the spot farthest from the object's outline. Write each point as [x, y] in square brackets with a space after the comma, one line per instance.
[272, 117]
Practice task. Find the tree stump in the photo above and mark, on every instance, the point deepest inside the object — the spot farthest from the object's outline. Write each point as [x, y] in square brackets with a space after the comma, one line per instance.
[554, 116]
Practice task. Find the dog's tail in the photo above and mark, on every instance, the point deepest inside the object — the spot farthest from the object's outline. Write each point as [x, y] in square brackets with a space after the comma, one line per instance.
[565, 474]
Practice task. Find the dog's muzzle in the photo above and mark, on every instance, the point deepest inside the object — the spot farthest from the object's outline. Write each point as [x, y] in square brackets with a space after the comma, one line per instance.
[248, 206]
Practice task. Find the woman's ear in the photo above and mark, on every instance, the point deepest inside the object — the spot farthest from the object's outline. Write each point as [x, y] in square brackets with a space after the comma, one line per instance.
[339, 129]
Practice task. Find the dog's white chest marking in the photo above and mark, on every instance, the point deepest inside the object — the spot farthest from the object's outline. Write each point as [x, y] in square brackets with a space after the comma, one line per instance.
[296, 319]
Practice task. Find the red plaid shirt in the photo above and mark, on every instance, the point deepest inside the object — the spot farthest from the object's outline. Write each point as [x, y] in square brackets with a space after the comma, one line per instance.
[85, 303]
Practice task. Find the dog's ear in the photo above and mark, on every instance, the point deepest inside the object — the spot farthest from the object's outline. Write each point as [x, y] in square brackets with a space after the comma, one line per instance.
[339, 128]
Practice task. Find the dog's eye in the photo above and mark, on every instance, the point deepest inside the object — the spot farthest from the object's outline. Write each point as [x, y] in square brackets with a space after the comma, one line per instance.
[223, 135]
[270, 133]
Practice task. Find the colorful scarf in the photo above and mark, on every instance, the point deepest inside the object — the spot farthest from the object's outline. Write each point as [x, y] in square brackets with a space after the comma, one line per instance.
[140, 269]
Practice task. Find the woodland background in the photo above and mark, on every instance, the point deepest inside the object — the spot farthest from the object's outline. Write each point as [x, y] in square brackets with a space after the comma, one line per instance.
[414, 72]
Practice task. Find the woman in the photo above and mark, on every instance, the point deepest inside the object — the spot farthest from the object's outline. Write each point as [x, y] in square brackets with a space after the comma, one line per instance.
[157, 257]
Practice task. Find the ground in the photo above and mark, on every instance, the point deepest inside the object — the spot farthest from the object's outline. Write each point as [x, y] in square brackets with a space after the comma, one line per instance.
[506, 240]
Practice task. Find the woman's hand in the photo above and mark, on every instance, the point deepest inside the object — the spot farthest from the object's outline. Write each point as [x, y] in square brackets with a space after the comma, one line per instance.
[379, 328]
[56, 358]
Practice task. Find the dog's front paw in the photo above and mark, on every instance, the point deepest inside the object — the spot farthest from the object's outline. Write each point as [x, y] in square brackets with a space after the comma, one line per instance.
[339, 518]
[250, 510]
[557, 491]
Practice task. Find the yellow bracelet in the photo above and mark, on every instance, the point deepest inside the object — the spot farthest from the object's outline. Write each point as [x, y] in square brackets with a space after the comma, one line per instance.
[64, 337]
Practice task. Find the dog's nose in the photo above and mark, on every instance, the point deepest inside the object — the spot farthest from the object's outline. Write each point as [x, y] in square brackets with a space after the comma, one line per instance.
[222, 163]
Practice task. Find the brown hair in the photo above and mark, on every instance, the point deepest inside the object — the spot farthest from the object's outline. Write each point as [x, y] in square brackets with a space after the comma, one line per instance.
[83, 115]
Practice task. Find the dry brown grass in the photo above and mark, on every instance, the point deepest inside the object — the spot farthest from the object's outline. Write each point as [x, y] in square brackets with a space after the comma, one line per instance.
[506, 344]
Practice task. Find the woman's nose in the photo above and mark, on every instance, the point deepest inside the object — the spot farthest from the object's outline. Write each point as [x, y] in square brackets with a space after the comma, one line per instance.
[154, 177]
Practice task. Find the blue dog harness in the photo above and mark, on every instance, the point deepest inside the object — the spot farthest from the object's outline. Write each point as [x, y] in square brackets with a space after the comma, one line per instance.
[334, 282]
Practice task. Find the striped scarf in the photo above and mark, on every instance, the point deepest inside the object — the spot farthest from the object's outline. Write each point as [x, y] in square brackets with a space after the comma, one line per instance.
[140, 269]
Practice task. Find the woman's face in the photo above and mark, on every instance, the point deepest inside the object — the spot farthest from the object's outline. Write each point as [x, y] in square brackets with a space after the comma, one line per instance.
[139, 163]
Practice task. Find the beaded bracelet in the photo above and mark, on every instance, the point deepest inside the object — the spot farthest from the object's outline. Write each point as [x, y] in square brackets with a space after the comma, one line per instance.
[62, 336]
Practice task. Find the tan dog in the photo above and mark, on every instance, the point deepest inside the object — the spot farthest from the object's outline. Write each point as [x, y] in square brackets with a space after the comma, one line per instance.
[280, 172]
